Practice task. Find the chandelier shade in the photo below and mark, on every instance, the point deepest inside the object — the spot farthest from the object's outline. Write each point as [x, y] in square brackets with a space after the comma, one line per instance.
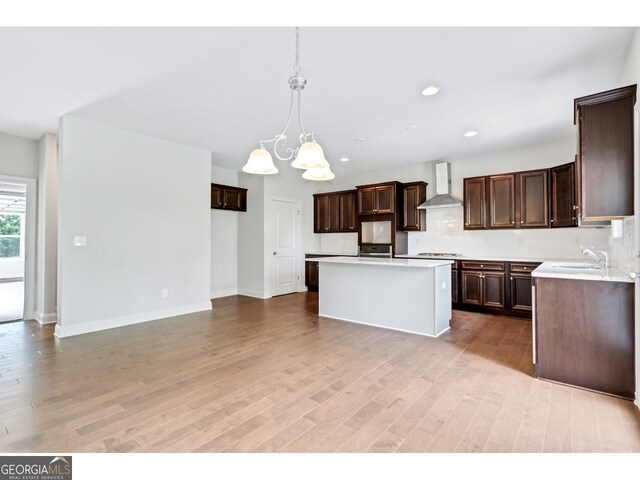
[319, 174]
[310, 155]
[260, 163]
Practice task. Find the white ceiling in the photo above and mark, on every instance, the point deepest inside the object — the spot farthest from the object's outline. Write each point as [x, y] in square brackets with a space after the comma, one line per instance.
[222, 89]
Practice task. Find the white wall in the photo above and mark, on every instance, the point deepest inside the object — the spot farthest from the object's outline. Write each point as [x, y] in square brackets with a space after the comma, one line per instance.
[18, 156]
[144, 206]
[47, 243]
[445, 227]
[224, 240]
[251, 239]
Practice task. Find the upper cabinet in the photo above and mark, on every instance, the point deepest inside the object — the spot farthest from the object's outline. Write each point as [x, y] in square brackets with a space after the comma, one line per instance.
[377, 199]
[414, 219]
[225, 197]
[335, 212]
[532, 199]
[502, 205]
[563, 196]
[605, 154]
[475, 203]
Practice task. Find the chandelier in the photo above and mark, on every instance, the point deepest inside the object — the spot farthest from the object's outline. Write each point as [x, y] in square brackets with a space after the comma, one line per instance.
[308, 155]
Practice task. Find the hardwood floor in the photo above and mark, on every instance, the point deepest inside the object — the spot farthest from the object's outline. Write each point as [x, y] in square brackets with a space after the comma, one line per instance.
[270, 376]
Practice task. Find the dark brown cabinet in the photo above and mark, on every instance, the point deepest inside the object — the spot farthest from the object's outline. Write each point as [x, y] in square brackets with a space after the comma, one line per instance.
[228, 198]
[605, 153]
[533, 199]
[584, 334]
[563, 196]
[326, 213]
[475, 203]
[520, 286]
[502, 207]
[483, 284]
[348, 218]
[377, 199]
[414, 219]
[455, 284]
[335, 212]
[311, 275]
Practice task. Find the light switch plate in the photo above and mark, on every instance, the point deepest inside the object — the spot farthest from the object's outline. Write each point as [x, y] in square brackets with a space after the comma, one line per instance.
[80, 241]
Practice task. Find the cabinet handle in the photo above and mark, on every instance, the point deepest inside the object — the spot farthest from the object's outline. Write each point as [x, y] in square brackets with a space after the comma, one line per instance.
[481, 266]
[515, 222]
[524, 268]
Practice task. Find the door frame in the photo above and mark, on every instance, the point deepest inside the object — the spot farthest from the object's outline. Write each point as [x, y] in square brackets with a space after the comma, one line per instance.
[28, 312]
[636, 246]
[268, 247]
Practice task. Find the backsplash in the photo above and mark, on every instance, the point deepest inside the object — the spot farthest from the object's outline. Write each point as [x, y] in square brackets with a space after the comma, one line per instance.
[445, 233]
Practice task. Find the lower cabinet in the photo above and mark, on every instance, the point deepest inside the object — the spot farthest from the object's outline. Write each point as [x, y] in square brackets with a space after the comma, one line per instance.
[454, 286]
[584, 334]
[311, 275]
[484, 289]
[500, 288]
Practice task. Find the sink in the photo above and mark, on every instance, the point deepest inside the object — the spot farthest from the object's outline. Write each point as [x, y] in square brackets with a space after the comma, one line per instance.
[578, 266]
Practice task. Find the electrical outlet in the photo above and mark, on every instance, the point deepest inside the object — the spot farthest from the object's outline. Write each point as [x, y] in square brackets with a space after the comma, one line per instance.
[444, 285]
[165, 292]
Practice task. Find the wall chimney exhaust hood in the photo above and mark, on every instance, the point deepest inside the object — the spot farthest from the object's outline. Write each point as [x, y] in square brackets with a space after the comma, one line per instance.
[443, 197]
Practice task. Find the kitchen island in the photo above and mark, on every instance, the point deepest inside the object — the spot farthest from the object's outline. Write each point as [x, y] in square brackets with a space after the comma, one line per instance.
[400, 294]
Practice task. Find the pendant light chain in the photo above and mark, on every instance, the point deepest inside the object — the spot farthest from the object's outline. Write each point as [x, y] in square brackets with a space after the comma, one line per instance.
[296, 67]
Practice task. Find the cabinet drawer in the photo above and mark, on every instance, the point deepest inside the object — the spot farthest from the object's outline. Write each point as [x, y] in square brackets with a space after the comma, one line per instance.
[473, 265]
[523, 267]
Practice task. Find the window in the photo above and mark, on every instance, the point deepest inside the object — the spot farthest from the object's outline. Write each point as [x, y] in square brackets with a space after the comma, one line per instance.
[10, 227]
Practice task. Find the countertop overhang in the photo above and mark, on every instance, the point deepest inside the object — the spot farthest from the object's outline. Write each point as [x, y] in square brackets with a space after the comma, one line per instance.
[555, 269]
[387, 262]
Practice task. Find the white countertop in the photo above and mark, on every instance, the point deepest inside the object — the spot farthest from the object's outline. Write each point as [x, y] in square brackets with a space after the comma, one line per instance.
[388, 262]
[332, 254]
[484, 258]
[560, 269]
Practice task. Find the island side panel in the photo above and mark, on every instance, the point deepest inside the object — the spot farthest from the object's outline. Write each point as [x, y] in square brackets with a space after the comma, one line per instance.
[443, 298]
[400, 298]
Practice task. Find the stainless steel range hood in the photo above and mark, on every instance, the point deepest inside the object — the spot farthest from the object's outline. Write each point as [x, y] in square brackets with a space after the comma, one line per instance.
[443, 197]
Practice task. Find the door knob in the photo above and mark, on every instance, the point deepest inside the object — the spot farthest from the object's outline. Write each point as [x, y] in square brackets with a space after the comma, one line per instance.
[275, 253]
[633, 275]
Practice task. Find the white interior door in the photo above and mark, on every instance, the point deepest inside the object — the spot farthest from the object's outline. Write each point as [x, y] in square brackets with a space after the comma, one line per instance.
[285, 246]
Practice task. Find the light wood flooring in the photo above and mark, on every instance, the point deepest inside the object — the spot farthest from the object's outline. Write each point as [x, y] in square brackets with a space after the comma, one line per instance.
[270, 376]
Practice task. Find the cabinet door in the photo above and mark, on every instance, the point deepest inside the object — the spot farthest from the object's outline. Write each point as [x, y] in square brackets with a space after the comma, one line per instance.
[348, 212]
[367, 201]
[319, 207]
[475, 206]
[563, 191]
[493, 289]
[385, 199]
[502, 201]
[471, 287]
[606, 156]
[231, 199]
[414, 219]
[332, 222]
[533, 199]
[216, 197]
[311, 274]
[520, 289]
[454, 286]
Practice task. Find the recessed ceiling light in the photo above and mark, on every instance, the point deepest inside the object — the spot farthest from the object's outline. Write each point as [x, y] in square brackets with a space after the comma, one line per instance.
[411, 127]
[430, 91]
[344, 159]
[360, 139]
[470, 133]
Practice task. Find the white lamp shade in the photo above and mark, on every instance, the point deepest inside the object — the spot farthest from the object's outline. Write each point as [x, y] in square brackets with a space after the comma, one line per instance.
[309, 156]
[319, 174]
[260, 163]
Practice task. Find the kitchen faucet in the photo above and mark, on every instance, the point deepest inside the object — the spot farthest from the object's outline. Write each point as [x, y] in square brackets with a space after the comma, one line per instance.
[604, 260]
